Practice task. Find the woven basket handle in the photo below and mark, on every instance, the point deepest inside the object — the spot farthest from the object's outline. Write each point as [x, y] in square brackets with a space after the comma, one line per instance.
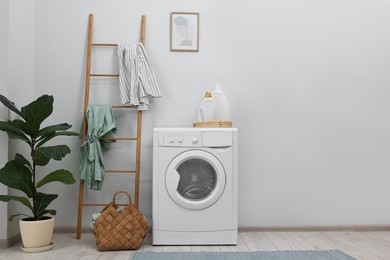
[119, 192]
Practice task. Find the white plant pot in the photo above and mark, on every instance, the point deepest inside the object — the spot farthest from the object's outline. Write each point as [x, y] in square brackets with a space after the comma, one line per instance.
[37, 235]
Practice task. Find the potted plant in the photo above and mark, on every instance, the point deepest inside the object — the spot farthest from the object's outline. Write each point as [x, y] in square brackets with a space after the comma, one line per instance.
[22, 174]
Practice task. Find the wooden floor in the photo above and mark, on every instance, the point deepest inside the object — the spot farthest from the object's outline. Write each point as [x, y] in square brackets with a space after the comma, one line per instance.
[360, 245]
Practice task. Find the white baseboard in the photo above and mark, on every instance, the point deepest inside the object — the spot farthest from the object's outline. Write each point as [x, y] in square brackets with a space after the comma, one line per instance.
[4, 243]
[345, 228]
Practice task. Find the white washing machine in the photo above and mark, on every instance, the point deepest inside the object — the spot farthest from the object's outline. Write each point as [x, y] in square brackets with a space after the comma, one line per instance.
[194, 186]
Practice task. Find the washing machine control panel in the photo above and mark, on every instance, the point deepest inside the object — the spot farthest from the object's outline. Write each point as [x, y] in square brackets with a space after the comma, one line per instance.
[180, 139]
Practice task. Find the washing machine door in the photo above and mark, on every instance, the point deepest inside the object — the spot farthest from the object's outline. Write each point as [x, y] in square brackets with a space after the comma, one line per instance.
[195, 179]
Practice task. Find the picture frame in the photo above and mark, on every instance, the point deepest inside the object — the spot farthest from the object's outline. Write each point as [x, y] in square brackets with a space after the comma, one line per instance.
[184, 31]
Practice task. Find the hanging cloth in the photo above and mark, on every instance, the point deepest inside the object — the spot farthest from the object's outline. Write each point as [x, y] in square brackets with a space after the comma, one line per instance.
[100, 124]
[136, 78]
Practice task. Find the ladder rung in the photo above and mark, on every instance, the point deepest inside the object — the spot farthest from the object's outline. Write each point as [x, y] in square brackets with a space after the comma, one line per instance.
[104, 44]
[124, 107]
[118, 138]
[104, 75]
[120, 171]
[100, 204]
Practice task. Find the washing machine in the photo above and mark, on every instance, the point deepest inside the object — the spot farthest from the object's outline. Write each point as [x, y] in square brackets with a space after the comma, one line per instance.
[194, 186]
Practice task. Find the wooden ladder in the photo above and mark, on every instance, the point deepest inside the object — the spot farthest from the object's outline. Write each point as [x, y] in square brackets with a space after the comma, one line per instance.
[81, 203]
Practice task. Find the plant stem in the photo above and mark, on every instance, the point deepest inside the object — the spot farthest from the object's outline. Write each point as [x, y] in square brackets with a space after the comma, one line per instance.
[34, 190]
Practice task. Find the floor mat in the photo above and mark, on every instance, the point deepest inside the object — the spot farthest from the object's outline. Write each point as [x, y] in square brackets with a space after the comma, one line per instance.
[266, 255]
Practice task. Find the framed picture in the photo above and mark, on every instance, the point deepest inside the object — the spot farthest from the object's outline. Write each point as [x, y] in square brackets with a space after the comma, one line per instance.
[184, 31]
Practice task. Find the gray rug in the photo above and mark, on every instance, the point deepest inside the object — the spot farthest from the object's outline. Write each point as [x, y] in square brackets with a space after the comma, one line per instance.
[266, 255]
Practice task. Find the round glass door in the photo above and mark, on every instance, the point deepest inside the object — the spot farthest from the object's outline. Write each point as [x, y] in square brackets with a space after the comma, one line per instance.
[195, 179]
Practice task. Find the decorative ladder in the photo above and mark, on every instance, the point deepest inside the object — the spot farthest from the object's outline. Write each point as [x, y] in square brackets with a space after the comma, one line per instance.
[81, 203]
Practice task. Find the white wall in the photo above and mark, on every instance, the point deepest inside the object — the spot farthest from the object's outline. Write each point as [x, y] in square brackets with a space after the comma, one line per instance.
[3, 111]
[21, 51]
[21, 75]
[308, 83]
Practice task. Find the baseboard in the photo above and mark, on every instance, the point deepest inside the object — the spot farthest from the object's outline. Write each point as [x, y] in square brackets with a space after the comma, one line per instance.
[344, 228]
[4, 243]
[73, 230]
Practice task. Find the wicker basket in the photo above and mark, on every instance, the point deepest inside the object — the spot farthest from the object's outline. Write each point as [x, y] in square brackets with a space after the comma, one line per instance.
[115, 230]
[204, 124]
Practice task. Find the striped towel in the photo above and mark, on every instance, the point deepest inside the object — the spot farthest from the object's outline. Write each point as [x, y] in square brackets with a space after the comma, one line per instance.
[136, 78]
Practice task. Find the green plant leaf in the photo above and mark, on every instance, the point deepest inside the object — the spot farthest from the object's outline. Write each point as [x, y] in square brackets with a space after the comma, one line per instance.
[42, 201]
[53, 128]
[47, 211]
[13, 132]
[21, 159]
[40, 159]
[11, 105]
[43, 155]
[36, 112]
[20, 124]
[48, 137]
[23, 200]
[13, 216]
[18, 176]
[61, 175]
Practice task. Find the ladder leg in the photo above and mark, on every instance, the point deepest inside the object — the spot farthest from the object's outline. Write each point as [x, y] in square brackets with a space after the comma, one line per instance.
[143, 27]
[139, 128]
[80, 210]
[138, 159]
[87, 76]
[84, 131]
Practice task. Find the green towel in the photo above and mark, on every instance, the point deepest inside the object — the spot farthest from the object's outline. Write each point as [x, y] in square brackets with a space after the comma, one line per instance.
[100, 123]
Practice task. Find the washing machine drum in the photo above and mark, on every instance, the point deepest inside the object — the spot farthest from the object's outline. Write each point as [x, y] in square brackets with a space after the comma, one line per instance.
[195, 179]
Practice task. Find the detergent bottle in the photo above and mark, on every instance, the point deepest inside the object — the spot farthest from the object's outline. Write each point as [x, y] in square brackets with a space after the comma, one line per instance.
[221, 104]
[207, 109]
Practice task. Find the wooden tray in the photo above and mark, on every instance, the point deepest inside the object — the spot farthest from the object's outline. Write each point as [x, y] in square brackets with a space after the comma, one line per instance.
[205, 124]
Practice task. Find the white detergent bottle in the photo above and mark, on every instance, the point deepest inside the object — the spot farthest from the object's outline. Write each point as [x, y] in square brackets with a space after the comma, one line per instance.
[207, 109]
[221, 103]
